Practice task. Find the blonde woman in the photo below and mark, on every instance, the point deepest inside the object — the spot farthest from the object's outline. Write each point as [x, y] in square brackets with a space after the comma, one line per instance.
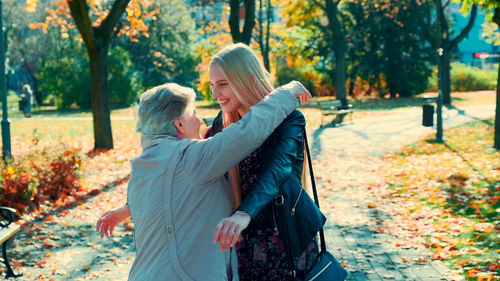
[238, 81]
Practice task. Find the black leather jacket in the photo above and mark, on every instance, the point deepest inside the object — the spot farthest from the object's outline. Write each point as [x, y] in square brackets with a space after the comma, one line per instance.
[282, 158]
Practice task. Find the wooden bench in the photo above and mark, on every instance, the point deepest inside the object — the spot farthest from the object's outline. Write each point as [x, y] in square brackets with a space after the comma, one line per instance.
[208, 120]
[7, 231]
[333, 107]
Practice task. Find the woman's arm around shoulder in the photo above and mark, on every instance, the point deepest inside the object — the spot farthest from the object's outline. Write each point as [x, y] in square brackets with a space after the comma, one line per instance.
[213, 157]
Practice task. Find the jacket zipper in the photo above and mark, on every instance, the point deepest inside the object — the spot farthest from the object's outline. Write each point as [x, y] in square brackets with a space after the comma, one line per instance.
[292, 212]
[276, 231]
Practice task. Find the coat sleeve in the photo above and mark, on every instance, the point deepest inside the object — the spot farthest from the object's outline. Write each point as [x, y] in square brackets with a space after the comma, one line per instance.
[211, 158]
[288, 140]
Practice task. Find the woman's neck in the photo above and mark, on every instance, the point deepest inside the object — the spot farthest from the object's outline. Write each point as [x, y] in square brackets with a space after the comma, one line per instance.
[242, 110]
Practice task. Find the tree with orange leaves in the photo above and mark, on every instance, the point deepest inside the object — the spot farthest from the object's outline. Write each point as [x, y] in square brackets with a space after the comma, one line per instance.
[98, 22]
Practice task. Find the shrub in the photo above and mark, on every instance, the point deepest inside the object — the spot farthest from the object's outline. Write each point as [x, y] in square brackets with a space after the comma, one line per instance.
[286, 74]
[125, 83]
[67, 80]
[43, 175]
[467, 78]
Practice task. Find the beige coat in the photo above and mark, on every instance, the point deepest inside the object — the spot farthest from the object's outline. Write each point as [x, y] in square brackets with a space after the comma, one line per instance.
[177, 194]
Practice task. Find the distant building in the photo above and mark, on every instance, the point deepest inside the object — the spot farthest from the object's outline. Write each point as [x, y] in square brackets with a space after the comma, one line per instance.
[474, 50]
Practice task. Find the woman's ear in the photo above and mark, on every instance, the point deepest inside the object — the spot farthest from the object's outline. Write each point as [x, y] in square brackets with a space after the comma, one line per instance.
[178, 124]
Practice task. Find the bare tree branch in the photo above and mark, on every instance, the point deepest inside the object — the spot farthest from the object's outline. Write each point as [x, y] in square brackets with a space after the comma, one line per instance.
[108, 24]
[467, 28]
[444, 29]
[446, 4]
[496, 16]
[80, 14]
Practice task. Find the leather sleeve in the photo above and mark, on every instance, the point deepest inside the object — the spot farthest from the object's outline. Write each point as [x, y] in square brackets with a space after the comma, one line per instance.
[216, 125]
[288, 139]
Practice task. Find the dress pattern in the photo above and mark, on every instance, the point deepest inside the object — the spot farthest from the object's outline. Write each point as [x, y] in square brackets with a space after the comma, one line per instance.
[261, 253]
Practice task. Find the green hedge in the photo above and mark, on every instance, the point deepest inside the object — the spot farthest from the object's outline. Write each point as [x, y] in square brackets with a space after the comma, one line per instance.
[66, 81]
[467, 78]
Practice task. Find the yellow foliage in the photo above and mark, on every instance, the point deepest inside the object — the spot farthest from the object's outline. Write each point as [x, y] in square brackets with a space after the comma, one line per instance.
[59, 15]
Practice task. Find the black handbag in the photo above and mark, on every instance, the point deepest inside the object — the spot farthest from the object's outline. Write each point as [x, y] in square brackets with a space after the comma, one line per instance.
[326, 268]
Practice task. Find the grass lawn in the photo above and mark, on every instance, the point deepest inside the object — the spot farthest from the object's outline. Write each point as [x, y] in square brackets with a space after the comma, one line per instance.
[76, 125]
[449, 195]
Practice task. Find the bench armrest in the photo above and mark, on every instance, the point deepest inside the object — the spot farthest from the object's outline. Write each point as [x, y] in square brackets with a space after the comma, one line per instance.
[208, 120]
[8, 214]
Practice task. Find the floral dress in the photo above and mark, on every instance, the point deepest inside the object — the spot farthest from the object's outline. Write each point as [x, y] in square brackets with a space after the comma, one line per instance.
[261, 253]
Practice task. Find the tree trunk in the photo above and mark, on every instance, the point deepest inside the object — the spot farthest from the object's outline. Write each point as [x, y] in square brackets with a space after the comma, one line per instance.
[265, 58]
[340, 73]
[97, 41]
[447, 44]
[446, 77]
[496, 19]
[234, 20]
[335, 26]
[246, 35]
[103, 137]
[267, 64]
[497, 114]
[264, 39]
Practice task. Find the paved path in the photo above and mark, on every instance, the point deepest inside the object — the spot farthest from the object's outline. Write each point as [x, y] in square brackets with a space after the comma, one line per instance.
[66, 247]
[347, 160]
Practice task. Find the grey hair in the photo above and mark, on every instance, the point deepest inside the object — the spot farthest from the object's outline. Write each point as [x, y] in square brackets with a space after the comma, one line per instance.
[160, 106]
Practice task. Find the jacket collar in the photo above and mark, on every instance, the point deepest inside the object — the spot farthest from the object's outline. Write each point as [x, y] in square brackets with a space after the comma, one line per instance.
[150, 140]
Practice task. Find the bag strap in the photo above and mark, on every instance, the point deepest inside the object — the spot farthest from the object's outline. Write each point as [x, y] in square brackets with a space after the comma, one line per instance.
[315, 192]
[279, 201]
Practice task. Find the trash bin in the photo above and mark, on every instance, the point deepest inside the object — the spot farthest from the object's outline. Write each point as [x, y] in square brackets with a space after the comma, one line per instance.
[22, 104]
[428, 115]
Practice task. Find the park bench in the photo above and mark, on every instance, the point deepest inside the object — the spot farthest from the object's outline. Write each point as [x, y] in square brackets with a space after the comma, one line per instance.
[7, 231]
[208, 120]
[333, 107]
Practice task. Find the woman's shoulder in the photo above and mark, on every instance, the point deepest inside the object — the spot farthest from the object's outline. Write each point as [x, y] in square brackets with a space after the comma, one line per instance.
[295, 118]
[289, 125]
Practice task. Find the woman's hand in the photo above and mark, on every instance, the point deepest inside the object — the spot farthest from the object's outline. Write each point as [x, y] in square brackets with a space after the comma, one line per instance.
[299, 91]
[229, 229]
[109, 220]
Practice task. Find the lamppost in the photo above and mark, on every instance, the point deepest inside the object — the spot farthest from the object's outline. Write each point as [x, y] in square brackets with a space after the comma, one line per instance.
[439, 103]
[6, 149]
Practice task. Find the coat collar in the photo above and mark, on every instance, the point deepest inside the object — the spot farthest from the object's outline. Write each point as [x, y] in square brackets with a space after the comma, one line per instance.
[150, 140]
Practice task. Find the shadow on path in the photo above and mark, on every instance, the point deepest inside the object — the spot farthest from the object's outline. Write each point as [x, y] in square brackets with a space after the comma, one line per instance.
[347, 162]
[464, 113]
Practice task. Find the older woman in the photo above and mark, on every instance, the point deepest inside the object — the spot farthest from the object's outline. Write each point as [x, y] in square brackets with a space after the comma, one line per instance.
[177, 191]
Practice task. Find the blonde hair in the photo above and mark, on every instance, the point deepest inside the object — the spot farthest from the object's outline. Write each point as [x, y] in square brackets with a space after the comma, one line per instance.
[250, 82]
[160, 106]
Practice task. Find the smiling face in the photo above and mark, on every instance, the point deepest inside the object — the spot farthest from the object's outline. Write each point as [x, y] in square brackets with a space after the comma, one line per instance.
[222, 92]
